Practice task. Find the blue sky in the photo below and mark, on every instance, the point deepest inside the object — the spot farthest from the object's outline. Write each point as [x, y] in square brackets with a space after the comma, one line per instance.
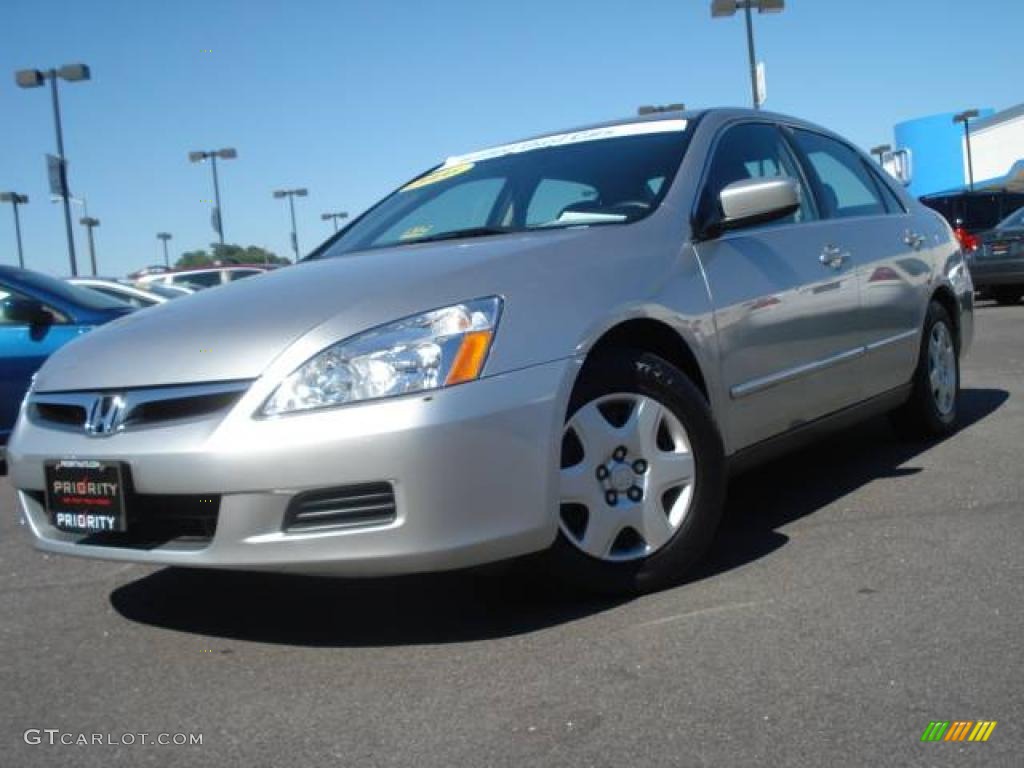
[351, 98]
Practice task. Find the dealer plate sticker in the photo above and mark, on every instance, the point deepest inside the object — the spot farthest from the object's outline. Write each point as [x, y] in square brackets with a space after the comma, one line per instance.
[85, 496]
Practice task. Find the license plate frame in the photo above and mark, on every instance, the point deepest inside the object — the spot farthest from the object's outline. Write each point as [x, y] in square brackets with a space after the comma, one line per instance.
[86, 495]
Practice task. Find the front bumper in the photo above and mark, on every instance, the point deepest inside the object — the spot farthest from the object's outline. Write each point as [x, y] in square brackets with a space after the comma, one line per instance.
[473, 469]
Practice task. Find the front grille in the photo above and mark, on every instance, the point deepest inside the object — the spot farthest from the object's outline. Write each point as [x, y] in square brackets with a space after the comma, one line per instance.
[61, 413]
[181, 407]
[142, 407]
[352, 506]
[155, 519]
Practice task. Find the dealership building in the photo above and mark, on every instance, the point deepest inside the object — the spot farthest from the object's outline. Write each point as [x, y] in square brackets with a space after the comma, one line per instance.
[929, 154]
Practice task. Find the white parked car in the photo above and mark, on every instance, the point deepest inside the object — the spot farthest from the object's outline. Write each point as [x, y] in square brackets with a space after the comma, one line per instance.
[115, 289]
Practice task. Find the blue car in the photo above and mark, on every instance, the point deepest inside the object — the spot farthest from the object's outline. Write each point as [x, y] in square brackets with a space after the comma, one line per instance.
[38, 314]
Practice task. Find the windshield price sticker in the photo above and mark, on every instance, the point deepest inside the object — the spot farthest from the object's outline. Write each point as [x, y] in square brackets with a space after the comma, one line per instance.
[446, 171]
[563, 139]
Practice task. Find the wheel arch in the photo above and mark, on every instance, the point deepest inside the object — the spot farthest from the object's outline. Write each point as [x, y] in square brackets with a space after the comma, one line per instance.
[944, 296]
[657, 337]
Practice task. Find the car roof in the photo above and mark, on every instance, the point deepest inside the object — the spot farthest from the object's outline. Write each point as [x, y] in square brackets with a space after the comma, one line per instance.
[6, 270]
[217, 268]
[722, 114]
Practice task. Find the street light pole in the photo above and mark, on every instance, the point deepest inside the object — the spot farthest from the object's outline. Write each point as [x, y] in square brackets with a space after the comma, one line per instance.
[333, 217]
[89, 223]
[721, 8]
[880, 150]
[228, 153]
[755, 97]
[965, 117]
[216, 198]
[165, 236]
[63, 172]
[291, 194]
[34, 78]
[295, 232]
[15, 200]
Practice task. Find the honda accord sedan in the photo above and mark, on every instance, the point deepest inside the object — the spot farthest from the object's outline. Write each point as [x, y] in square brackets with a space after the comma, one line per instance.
[561, 345]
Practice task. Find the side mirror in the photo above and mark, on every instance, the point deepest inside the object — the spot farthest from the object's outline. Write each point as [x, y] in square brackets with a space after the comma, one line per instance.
[27, 311]
[753, 201]
[757, 201]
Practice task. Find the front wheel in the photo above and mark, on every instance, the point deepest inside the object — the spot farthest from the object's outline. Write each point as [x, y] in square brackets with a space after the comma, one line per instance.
[642, 478]
[931, 411]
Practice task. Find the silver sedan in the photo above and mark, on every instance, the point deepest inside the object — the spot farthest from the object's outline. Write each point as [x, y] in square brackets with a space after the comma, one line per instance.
[564, 344]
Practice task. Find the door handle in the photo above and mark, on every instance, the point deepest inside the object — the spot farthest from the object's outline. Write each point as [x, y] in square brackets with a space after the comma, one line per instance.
[913, 239]
[833, 256]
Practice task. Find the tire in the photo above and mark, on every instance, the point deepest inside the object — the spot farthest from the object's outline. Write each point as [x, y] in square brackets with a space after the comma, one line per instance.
[675, 438]
[931, 411]
[1007, 296]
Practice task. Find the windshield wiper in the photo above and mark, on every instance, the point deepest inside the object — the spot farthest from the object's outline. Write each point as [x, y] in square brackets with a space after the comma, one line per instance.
[456, 234]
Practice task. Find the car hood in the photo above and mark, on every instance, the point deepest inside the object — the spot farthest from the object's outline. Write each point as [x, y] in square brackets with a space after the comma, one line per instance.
[235, 331]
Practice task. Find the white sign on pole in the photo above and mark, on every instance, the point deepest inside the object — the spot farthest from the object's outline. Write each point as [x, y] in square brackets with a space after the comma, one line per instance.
[762, 84]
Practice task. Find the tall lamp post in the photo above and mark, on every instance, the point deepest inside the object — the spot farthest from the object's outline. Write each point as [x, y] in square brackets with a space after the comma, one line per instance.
[34, 78]
[722, 8]
[228, 153]
[165, 236]
[90, 223]
[291, 194]
[965, 117]
[15, 200]
[334, 217]
[881, 151]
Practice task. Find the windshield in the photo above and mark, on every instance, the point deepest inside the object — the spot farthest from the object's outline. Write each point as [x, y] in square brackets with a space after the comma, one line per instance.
[1014, 221]
[601, 176]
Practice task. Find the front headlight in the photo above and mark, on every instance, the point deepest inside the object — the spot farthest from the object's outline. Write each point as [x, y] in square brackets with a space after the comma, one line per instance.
[428, 351]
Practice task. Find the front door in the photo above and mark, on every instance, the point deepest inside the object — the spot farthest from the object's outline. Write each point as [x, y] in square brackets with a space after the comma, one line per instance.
[785, 297]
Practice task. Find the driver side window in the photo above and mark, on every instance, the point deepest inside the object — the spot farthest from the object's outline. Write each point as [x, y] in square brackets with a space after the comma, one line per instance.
[753, 151]
[8, 311]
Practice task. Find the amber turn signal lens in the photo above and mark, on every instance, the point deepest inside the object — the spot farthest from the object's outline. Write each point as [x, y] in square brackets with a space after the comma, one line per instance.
[469, 360]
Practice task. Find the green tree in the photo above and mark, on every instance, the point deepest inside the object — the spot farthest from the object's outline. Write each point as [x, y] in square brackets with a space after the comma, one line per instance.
[228, 253]
[191, 259]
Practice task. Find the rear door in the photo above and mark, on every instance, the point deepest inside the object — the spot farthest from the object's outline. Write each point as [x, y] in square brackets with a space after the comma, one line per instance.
[786, 319]
[890, 245]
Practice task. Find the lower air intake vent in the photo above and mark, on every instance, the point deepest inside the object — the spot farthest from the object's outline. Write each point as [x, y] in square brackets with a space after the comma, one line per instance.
[351, 506]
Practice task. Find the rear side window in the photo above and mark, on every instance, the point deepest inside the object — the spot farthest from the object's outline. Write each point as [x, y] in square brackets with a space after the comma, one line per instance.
[892, 203]
[238, 274]
[205, 279]
[752, 151]
[844, 184]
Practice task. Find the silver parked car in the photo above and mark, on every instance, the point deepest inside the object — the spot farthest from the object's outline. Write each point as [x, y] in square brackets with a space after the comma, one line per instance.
[563, 344]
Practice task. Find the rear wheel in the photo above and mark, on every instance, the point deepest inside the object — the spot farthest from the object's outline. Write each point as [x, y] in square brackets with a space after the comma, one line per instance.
[1007, 296]
[931, 410]
[641, 476]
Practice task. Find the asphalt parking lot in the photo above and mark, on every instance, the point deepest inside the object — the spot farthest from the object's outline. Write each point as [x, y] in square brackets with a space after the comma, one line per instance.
[858, 590]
